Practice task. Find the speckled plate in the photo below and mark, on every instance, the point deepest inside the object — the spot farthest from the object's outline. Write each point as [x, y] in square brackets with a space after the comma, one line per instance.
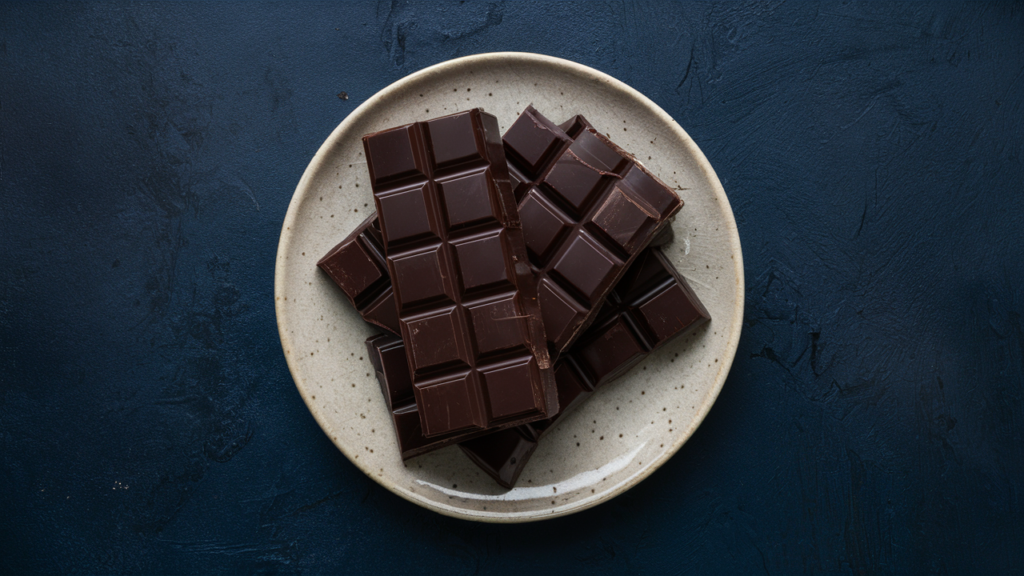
[628, 428]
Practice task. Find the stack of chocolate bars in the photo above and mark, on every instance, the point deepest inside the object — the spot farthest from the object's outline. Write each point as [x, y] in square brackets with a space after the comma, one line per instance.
[513, 275]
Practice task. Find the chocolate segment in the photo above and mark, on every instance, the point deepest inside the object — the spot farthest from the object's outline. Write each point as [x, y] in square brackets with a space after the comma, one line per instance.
[650, 306]
[588, 209]
[358, 267]
[387, 354]
[467, 304]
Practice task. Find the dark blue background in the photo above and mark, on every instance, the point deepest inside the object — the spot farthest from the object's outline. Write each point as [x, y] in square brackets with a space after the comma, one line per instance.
[874, 157]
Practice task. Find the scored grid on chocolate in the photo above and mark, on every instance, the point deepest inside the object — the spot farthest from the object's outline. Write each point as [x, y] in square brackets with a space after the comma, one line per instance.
[467, 312]
[651, 305]
[387, 354]
[588, 209]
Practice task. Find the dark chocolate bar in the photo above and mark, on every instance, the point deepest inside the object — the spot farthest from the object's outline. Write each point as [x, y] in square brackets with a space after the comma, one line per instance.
[588, 209]
[467, 303]
[650, 306]
[358, 267]
[387, 354]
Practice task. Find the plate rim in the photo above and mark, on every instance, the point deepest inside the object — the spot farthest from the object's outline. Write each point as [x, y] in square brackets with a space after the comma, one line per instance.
[484, 59]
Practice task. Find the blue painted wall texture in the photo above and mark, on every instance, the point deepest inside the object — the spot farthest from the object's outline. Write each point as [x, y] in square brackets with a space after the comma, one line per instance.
[872, 422]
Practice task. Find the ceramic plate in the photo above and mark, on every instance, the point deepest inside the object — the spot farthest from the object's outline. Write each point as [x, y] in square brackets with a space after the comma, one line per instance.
[623, 432]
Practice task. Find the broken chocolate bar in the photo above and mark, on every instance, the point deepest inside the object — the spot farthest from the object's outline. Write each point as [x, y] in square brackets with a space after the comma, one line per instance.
[588, 209]
[467, 303]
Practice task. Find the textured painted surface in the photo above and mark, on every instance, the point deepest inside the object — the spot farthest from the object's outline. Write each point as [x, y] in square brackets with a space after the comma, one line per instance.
[873, 418]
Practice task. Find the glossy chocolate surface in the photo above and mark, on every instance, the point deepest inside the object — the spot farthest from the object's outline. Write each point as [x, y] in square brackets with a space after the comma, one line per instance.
[387, 354]
[588, 209]
[467, 303]
[649, 307]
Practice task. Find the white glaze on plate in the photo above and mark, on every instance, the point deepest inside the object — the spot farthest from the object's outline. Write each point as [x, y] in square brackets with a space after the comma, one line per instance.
[628, 428]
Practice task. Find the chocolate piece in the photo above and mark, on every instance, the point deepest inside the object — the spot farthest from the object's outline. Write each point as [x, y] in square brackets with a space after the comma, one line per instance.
[650, 306]
[387, 354]
[588, 208]
[358, 267]
[467, 303]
